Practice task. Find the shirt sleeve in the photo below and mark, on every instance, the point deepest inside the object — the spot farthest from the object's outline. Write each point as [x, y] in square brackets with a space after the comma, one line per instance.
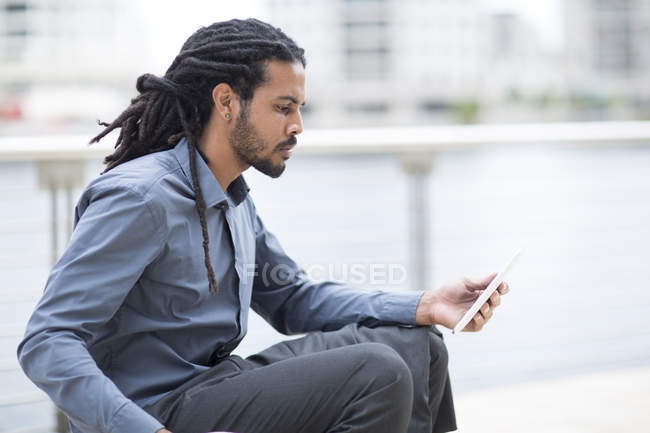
[117, 233]
[286, 298]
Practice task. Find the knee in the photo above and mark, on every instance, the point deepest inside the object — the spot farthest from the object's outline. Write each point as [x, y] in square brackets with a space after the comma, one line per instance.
[439, 354]
[385, 367]
[422, 336]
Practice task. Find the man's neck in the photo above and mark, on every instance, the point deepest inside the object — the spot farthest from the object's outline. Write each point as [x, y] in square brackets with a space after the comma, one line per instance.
[222, 160]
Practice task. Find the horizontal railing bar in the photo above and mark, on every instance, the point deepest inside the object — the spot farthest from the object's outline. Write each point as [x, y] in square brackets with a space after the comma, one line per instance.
[398, 140]
[9, 365]
[24, 398]
[12, 330]
[43, 428]
[7, 291]
[20, 299]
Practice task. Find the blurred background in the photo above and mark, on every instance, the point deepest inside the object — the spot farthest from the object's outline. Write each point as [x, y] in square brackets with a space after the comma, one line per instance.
[442, 135]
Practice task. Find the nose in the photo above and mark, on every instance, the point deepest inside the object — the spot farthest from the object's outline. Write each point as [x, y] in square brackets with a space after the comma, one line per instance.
[295, 124]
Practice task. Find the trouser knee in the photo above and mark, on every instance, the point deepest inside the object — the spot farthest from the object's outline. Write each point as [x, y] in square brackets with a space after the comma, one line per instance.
[439, 354]
[384, 367]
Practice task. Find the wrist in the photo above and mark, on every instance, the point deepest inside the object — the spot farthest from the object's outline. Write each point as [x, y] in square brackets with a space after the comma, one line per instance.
[424, 313]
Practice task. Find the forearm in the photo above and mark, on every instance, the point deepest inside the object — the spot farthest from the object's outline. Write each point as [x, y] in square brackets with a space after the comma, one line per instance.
[59, 364]
[314, 306]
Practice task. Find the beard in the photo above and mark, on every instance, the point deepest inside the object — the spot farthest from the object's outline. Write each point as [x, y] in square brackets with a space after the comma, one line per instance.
[249, 147]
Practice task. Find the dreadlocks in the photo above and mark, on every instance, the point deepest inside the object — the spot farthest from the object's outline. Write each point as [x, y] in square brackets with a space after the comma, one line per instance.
[179, 104]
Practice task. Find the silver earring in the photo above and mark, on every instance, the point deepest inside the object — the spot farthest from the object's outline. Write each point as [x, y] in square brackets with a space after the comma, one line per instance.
[228, 116]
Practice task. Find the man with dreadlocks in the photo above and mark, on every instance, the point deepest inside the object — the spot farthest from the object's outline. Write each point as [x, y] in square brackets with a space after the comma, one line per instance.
[139, 317]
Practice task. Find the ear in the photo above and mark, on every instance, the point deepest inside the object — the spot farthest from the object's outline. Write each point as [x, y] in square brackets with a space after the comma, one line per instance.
[226, 101]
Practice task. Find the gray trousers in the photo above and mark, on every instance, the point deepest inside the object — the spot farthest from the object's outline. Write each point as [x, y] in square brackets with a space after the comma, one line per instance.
[387, 379]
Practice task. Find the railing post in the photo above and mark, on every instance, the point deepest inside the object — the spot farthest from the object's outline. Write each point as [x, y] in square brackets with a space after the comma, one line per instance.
[53, 176]
[418, 166]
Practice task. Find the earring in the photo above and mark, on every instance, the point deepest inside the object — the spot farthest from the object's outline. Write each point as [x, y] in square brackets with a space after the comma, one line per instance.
[228, 116]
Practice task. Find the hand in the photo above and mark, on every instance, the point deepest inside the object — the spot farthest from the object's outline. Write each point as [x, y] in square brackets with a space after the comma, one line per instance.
[163, 430]
[449, 303]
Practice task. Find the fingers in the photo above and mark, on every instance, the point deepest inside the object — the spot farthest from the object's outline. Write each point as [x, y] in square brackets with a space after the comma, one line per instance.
[486, 311]
[474, 284]
[477, 322]
[495, 299]
[479, 319]
[481, 283]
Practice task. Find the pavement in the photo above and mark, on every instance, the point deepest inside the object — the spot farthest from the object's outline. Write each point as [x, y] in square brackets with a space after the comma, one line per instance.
[605, 402]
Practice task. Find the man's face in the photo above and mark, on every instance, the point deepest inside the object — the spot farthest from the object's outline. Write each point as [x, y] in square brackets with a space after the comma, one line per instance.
[266, 128]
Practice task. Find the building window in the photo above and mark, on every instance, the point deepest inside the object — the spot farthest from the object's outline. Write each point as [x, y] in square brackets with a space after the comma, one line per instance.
[14, 30]
[615, 51]
[433, 106]
[366, 39]
[613, 5]
[15, 7]
[368, 108]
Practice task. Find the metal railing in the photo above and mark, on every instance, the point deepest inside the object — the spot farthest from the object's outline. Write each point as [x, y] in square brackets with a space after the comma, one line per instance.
[60, 160]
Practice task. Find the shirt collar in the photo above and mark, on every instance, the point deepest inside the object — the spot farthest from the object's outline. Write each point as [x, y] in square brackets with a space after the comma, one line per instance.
[212, 192]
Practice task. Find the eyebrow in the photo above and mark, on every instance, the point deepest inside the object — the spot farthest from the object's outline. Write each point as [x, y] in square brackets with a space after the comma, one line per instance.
[292, 99]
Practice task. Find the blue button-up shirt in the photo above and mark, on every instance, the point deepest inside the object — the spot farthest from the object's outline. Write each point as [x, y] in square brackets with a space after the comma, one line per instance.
[126, 315]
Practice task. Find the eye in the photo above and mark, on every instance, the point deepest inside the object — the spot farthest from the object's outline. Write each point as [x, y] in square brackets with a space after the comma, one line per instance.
[283, 108]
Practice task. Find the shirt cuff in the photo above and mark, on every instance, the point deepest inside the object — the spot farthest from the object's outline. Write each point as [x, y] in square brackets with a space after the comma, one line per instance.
[400, 307]
[131, 418]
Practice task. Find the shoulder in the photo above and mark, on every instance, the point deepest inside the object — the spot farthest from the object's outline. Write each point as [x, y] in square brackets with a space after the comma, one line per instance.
[140, 179]
[141, 174]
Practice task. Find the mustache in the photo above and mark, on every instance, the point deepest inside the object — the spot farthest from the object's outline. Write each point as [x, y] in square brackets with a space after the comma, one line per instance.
[291, 141]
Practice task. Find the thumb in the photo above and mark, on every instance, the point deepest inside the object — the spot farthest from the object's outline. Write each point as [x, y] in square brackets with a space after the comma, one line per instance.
[479, 283]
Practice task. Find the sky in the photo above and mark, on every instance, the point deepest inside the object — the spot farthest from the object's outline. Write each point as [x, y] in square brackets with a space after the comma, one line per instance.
[175, 21]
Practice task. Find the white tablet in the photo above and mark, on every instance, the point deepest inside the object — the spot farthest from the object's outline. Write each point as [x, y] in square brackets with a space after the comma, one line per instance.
[485, 295]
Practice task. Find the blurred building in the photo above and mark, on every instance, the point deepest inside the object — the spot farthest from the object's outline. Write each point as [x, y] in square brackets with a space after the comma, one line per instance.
[522, 82]
[608, 57]
[375, 62]
[385, 61]
[66, 63]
